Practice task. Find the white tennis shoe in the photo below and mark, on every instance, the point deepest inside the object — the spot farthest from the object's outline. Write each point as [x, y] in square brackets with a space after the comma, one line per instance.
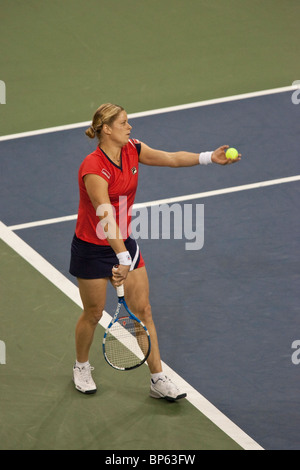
[83, 380]
[165, 388]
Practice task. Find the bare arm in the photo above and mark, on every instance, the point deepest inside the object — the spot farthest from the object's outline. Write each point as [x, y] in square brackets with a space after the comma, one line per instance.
[149, 156]
[97, 189]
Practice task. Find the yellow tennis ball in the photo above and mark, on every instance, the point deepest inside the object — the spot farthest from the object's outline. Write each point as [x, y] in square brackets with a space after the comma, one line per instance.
[232, 153]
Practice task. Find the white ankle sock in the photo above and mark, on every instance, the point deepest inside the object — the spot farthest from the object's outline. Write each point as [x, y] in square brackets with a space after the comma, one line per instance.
[82, 364]
[156, 376]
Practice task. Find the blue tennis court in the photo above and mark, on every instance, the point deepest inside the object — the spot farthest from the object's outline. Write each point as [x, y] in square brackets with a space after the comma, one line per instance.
[227, 314]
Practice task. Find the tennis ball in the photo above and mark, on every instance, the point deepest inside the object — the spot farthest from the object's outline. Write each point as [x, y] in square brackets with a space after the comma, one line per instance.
[232, 154]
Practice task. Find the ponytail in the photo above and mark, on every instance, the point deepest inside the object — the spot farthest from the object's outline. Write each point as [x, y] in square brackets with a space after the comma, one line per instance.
[90, 132]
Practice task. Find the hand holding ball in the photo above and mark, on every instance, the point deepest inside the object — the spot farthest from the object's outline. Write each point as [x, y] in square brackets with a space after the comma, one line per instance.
[225, 155]
[232, 154]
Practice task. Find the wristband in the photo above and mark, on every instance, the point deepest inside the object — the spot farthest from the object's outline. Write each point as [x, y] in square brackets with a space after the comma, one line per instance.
[124, 258]
[205, 158]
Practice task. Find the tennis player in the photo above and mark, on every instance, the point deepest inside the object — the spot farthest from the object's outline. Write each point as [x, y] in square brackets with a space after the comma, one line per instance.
[108, 179]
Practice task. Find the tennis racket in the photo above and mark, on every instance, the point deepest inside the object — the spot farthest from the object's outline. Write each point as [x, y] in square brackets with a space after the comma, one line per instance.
[126, 342]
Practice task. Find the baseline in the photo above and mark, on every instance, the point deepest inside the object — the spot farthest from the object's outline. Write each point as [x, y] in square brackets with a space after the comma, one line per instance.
[188, 197]
[152, 112]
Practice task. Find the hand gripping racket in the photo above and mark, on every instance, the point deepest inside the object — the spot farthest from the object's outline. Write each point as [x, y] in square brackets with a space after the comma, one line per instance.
[126, 343]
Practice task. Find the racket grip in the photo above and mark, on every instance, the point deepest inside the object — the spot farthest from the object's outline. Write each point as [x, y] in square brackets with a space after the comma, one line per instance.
[120, 291]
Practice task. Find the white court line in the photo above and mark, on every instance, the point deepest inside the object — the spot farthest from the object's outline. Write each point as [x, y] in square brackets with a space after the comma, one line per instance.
[152, 112]
[71, 291]
[188, 197]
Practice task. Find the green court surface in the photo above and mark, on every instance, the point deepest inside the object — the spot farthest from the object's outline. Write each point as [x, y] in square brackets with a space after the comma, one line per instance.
[61, 59]
[40, 408]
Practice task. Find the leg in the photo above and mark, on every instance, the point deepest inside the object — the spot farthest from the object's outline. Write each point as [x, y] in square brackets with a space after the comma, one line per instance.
[137, 298]
[93, 296]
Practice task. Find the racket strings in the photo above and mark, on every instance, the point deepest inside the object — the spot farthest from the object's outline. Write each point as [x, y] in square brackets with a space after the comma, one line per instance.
[127, 343]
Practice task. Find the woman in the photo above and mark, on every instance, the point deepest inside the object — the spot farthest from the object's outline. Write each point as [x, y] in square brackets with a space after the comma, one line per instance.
[107, 183]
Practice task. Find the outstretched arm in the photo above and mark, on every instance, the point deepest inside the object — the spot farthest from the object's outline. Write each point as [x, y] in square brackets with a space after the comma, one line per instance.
[152, 157]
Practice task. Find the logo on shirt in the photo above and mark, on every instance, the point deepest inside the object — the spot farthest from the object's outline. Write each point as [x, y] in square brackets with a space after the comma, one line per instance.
[106, 173]
[134, 170]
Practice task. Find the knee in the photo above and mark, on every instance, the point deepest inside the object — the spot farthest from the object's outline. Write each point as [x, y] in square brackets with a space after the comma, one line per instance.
[145, 313]
[93, 314]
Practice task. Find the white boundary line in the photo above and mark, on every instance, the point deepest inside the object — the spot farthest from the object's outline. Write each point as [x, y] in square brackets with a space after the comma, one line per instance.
[71, 291]
[156, 111]
[38, 223]
[189, 197]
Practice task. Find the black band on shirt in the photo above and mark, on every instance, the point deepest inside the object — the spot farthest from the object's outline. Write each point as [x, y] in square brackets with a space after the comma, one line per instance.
[138, 147]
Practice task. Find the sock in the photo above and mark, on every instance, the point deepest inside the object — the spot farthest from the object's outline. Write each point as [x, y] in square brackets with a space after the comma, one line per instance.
[156, 376]
[82, 364]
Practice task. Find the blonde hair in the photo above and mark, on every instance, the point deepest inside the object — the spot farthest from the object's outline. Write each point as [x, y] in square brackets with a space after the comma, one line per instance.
[105, 114]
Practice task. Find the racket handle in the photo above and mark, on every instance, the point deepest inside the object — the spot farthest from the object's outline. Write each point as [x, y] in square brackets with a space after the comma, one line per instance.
[120, 291]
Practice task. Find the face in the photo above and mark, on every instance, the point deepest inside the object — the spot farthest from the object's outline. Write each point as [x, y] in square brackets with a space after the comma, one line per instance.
[120, 129]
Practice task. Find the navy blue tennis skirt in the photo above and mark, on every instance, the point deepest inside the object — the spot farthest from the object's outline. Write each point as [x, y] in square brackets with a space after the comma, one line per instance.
[90, 261]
